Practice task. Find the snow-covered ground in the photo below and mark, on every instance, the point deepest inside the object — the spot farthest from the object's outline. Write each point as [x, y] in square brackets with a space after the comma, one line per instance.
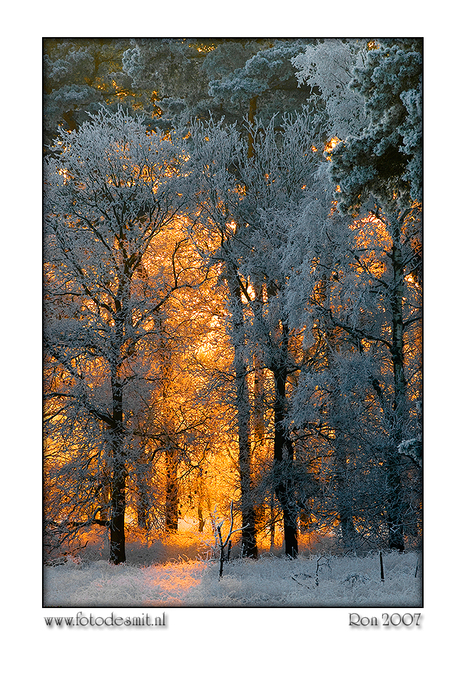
[314, 580]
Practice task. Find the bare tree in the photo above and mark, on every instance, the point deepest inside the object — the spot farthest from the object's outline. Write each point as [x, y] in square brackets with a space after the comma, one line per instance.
[111, 194]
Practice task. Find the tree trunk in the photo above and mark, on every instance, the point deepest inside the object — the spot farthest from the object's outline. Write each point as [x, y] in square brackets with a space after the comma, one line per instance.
[259, 448]
[272, 520]
[118, 500]
[142, 503]
[283, 460]
[349, 535]
[344, 488]
[248, 539]
[249, 544]
[168, 415]
[142, 516]
[172, 492]
[200, 517]
[203, 498]
[395, 503]
[117, 521]
[251, 116]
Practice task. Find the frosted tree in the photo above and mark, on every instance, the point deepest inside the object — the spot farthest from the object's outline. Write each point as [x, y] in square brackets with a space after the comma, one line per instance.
[170, 70]
[347, 394]
[234, 78]
[367, 275]
[281, 172]
[385, 159]
[112, 262]
[234, 210]
[384, 162]
[215, 150]
[327, 66]
[264, 85]
[248, 201]
[79, 76]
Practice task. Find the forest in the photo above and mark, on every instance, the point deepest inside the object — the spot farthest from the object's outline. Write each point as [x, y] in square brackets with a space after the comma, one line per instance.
[232, 295]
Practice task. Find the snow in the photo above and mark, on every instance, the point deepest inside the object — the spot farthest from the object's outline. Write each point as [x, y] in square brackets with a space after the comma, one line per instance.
[307, 581]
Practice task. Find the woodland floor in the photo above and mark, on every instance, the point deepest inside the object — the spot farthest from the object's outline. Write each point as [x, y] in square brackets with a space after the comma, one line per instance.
[181, 573]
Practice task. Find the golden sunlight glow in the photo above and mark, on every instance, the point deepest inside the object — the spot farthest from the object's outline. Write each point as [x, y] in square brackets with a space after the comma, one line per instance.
[65, 174]
[333, 142]
[177, 358]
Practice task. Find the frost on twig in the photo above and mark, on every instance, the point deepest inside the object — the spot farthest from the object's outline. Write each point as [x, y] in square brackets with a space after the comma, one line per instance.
[217, 529]
[321, 562]
[356, 578]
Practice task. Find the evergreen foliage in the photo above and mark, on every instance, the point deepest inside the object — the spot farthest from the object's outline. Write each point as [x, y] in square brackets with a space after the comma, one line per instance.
[385, 160]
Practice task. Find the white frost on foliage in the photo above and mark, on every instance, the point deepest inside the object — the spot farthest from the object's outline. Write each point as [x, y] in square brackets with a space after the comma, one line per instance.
[329, 67]
[271, 581]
